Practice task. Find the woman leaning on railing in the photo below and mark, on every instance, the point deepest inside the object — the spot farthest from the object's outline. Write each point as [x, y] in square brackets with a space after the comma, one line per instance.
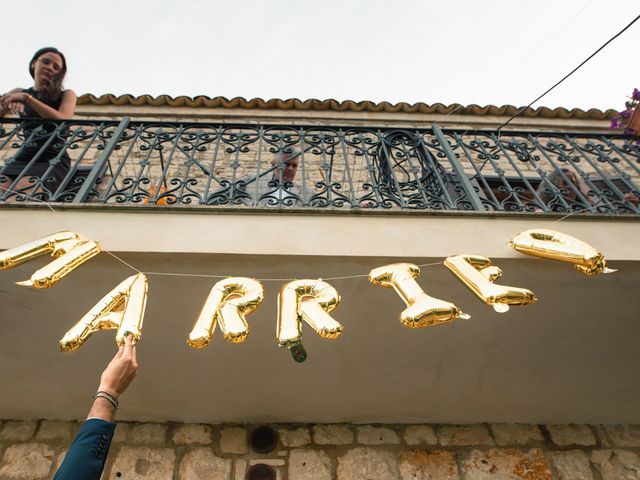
[47, 100]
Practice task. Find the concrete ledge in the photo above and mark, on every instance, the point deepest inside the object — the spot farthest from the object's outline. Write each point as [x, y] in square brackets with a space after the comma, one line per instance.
[311, 233]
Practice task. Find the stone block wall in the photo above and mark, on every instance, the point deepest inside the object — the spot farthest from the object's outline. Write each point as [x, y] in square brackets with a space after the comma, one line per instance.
[32, 450]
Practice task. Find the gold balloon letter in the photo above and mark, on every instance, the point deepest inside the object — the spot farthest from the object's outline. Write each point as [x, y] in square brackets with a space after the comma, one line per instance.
[422, 310]
[70, 250]
[229, 301]
[477, 273]
[122, 309]
[311, 301]
[559, 246]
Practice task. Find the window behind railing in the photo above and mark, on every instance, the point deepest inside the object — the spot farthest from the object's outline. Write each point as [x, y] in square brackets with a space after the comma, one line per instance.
[551, 171]
[175, 164]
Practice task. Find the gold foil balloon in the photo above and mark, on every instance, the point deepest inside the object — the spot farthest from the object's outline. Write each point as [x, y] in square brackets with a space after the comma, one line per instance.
[477, 273]
[48, 275]
[311, 301]
[70, 250]
[122, 309]
[28, 251]
[229, 301]
[560, 246]
[422, 310]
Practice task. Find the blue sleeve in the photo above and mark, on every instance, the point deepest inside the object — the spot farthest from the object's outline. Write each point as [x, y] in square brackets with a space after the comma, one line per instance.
[88, 453]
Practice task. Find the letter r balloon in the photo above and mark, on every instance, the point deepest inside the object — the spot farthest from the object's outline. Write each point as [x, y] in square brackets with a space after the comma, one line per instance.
[229, 301]
[310, 301]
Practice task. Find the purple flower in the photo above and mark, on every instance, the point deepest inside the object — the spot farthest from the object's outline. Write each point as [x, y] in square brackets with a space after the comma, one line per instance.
[623, 117]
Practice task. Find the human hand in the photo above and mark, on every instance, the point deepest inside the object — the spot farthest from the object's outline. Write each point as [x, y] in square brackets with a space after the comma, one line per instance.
[632, 198]
[15, 107]
[13, 97]
[121, 370]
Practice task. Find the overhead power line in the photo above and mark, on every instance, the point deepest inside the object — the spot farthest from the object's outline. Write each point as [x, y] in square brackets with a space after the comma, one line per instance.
[522, 59]
[570, 73]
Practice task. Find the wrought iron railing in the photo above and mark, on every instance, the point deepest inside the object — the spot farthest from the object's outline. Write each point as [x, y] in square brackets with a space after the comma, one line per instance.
[177, 164]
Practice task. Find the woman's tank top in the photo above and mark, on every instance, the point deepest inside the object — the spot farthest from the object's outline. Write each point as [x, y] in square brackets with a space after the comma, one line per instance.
[30, 112]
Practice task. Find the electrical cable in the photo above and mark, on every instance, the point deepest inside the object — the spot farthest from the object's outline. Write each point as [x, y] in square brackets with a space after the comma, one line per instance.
[523, 58]
[522, 109]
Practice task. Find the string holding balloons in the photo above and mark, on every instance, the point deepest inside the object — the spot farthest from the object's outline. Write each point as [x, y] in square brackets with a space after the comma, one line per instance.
[301, 301]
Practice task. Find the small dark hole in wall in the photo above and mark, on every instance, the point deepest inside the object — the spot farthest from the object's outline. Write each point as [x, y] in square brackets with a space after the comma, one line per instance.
[263, 439]
[118, 474]
[260, 471]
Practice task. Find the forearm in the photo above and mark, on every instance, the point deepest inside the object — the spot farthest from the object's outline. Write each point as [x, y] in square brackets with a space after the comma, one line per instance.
[45, 111]
[114, 381]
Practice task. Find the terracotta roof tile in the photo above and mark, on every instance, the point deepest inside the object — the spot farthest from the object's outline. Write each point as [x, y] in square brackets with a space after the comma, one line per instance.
[347, 105]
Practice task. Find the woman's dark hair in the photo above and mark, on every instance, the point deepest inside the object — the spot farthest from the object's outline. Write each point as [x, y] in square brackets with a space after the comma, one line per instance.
[54, 89]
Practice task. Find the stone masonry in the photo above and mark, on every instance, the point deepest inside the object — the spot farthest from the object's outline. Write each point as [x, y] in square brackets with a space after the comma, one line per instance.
[32, 450]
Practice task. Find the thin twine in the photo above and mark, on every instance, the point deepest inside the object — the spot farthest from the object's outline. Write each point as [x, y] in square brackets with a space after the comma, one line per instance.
[344, 277]
[48, 205]
[121, 260]
[201, 275]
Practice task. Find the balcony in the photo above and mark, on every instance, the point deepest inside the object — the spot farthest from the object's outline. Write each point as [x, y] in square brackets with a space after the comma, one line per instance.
[191, 202]
[166, 164]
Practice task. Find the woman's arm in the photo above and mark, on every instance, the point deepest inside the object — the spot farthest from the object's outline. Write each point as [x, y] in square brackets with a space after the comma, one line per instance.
[65, 112]
[5, 108]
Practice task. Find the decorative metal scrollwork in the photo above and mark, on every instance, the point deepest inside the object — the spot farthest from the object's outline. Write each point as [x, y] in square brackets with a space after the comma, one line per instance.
[165, 164]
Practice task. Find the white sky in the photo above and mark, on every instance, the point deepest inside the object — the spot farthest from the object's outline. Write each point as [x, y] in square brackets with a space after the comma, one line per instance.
[466, 51]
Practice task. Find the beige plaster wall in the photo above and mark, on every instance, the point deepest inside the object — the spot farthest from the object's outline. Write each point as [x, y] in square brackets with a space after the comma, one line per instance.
[245, 231]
